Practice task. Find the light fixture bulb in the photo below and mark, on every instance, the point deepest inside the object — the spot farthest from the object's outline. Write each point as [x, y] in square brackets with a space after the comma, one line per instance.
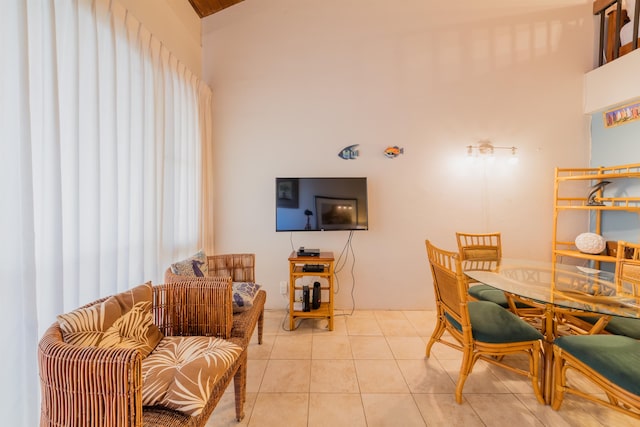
[514, 156]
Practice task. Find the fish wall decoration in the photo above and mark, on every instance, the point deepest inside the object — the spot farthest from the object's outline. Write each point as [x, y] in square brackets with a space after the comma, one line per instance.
[393, 152]
[349, 153]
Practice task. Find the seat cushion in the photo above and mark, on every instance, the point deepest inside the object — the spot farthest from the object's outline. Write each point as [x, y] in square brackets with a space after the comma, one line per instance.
[488, 293]
[618, 325]
[491, 323]
[483, 292]
[616, 358]
[624, 326]
[121, 321]
[181, 373]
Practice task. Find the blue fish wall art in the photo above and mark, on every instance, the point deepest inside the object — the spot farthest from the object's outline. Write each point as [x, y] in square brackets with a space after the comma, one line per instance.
[349, 153]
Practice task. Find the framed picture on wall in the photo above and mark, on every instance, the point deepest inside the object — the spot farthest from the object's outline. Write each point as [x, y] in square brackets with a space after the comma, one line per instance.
[621, 115]
[287, 196]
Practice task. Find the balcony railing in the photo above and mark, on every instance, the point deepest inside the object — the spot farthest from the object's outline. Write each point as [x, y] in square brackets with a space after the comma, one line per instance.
[612, 19]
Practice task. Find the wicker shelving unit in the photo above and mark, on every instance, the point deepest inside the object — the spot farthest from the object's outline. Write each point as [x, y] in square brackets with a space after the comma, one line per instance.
[571, 190]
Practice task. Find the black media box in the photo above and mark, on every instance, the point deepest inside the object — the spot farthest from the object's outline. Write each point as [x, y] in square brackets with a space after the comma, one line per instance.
[308, 252]
[313, 268]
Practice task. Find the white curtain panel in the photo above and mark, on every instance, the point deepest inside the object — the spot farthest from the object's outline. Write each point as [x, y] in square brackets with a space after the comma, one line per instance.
[105, 143]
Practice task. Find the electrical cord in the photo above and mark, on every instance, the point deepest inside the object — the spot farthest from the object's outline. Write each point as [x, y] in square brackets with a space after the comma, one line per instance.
[348, 248]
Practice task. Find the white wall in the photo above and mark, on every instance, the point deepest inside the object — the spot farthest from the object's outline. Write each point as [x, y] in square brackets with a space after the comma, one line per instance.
[296, 81]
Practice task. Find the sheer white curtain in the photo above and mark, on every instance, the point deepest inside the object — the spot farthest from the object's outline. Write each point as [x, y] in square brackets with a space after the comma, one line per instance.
[105, 144]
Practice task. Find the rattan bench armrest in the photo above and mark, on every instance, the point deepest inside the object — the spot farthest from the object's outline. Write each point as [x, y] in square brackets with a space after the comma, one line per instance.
[85, 385]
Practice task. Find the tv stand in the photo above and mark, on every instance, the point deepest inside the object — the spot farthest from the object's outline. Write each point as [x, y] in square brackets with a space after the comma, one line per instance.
[320, 265]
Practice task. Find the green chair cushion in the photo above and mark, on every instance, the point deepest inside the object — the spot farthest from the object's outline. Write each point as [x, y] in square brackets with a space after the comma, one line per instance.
[489, 293]
[626, 326]
[491, 323]
[589, 319]
[615, 357]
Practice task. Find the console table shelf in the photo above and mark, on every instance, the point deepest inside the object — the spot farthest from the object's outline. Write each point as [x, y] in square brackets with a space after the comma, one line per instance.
[296, 272]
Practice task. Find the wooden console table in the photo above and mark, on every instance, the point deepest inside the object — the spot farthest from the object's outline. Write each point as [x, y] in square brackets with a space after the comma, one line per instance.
[297, 271]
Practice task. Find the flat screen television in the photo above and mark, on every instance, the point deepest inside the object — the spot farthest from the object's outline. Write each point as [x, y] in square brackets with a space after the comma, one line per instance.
[321, 204]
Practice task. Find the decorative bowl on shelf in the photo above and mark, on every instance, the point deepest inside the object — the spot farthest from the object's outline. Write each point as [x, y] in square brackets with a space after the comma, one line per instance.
[590, 243]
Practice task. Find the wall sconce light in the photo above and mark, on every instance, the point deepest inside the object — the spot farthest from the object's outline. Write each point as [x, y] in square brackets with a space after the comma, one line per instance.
[485, 149]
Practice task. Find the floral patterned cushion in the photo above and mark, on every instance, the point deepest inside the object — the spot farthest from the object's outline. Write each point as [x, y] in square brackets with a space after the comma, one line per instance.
[181, 372]
[122, 321]
[194, 266]
[243, 295]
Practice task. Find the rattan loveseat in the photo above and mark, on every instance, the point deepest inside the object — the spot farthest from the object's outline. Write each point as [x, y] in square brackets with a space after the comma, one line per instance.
[241, 268]
[90, 386]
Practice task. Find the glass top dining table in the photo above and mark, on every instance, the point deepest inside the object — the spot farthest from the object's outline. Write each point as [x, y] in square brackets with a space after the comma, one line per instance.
[561, 285]
[556, 287]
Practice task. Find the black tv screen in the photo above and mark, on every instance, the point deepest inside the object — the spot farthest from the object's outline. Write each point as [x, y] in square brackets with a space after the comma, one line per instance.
[321, 204]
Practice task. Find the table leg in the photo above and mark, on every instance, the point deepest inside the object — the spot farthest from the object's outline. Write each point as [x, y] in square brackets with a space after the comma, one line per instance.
[549, 332]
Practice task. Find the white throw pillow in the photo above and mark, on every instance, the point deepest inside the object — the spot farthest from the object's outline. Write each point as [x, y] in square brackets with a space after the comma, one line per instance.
[243, 295]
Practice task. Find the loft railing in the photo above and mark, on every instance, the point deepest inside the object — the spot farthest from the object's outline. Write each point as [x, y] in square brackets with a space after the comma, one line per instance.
[616, 17]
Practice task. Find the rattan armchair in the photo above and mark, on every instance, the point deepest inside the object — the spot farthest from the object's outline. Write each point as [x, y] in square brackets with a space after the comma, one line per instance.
[480, 329]
[82, 386]
[241, 268]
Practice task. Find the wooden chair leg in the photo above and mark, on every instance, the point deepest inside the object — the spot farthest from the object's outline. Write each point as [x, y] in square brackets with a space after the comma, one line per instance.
[535, 372]
[437, 334]
[465, 370]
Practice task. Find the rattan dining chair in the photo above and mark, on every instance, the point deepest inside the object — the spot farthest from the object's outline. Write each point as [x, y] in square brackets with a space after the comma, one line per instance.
[479, 246]
[480, 329]
[488, 247]
[627, 277]
[611, 362]
[628, 268]
[627, 281]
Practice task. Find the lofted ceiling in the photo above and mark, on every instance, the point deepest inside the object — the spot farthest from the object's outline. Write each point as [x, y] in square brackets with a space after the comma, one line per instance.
[209, 7]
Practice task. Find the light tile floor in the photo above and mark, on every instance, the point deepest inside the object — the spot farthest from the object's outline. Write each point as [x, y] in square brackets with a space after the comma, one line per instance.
[371, 370]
